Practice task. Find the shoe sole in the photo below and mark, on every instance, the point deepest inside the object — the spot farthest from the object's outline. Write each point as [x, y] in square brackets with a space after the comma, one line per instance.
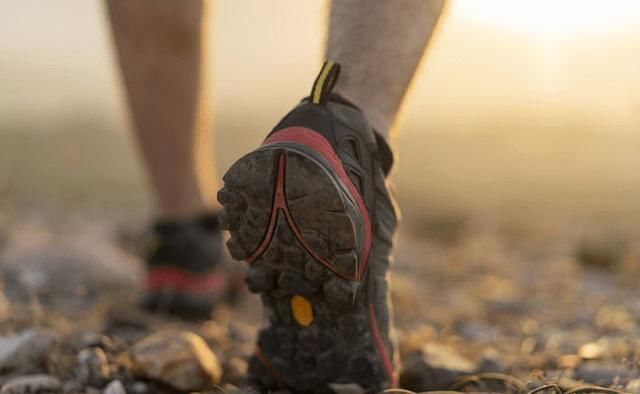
[296, 218]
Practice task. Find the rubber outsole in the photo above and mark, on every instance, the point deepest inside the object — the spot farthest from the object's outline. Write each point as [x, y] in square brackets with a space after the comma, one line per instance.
[300, 231]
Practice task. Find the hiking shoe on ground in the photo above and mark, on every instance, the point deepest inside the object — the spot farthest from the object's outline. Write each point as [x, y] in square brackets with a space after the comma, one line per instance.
[310, 212]
[187, 274]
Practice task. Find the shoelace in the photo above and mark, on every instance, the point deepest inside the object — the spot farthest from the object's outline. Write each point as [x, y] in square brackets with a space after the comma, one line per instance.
[511, 384]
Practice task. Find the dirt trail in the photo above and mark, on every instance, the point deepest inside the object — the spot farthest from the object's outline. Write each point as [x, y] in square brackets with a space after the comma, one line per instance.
[484, 298]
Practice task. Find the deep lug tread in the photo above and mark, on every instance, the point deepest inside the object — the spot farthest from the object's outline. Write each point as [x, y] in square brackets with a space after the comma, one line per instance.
[259, 279]
[306, 358]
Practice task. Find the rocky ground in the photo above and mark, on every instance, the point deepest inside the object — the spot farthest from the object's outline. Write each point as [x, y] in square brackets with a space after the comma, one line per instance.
[473, 297]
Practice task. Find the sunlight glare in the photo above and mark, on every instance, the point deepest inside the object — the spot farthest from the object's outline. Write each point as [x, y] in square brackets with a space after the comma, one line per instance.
[549, 18]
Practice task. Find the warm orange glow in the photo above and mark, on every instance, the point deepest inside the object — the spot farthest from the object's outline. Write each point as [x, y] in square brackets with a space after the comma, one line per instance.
[549, 19]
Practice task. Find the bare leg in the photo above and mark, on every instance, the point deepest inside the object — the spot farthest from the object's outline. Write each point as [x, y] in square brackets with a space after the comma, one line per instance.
[379, 44]
[161, 52]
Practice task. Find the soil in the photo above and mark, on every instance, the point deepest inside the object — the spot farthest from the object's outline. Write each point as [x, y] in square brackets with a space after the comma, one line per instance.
[537, 303]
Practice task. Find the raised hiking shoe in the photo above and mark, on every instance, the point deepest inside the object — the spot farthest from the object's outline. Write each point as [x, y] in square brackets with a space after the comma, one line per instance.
[310, 212]
[186, 270]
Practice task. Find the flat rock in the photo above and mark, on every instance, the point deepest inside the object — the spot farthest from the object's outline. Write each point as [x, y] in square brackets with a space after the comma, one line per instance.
[434, 367]
[27, 350]
[178, 358]
[604, 373]
[32, 384]
[68, 270]
[591, 351]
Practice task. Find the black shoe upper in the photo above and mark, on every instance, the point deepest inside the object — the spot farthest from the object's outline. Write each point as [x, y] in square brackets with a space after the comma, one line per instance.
[193, 245]
[367, 160]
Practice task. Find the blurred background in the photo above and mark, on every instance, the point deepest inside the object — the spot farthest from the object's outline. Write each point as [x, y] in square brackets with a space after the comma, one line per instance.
[522, 109]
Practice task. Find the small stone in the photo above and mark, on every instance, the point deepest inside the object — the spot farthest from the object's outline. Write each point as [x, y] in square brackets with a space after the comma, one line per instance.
[569, 361]
[434, 367]
[633, 387]
[87, 339]
[615, 318]
[178, 358]
[32, 384]
[528, 346]
[490, 362]
[93, 367]
[567, 384]
[235, 369]
[592, 350]
[72, 386]
[115, 387]
[140, 388]
[603, 373]
[27, 350]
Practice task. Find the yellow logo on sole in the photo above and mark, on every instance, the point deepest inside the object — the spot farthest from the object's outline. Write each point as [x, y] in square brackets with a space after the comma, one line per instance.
[302, 310]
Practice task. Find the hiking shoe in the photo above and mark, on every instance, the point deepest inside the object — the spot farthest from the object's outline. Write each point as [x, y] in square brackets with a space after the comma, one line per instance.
[186, 268]
[310, 212]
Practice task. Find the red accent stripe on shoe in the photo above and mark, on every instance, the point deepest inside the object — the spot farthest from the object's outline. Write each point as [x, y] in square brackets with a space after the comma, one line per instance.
[315, 141]
[280, 205]
[163, 277]
[382, 350]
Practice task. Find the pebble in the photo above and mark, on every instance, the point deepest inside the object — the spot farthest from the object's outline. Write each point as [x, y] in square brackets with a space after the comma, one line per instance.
[633, 386]
[87, 339]
[591, 350]
[72, 386]
[235, 369]
[115, 387]
[434, 367]
[139, 388]
[569, 361]
[490, 361]
[32, 384]
[93, 367]
[603, 373]
[26, 350]
[178, 358]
